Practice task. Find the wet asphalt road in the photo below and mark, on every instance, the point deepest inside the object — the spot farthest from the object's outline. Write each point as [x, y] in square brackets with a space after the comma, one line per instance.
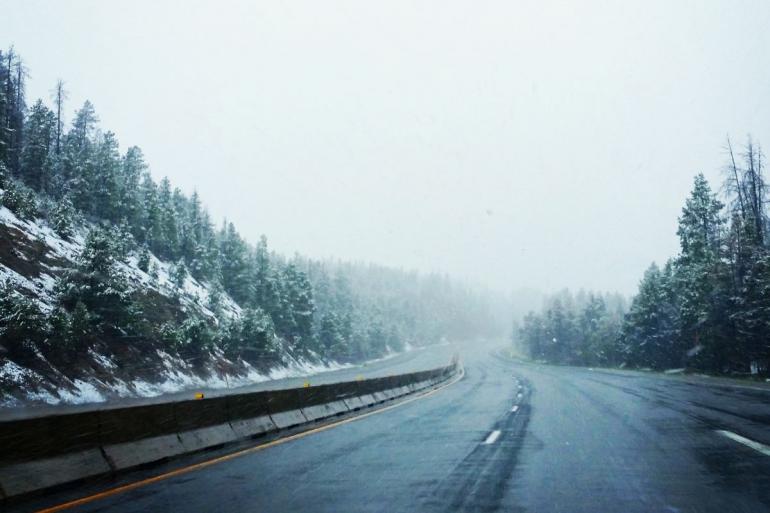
[579, 441]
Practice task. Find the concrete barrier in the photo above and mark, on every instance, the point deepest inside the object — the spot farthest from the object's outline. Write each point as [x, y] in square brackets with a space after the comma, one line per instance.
[249, 415]
[354, 403]
[203, 423]
[204, 438]
[389, 394]
[288, 419]
[380, 397]
[25, 477]
[39, 453]
[368, 400]
[127, 455]
[401, 391]
[248, 428]
[326, 410]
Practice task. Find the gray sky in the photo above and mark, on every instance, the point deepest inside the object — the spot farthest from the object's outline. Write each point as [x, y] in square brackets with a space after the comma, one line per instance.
[515, 144]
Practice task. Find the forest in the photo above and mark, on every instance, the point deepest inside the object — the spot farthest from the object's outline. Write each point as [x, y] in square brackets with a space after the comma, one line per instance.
[74, 176]
[706, 309]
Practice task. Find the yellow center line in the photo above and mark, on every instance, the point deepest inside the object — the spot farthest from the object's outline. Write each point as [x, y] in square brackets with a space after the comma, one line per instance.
[221, 459]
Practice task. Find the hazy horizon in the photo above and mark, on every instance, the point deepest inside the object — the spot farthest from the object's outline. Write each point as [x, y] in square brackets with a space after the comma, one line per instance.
[532, 145]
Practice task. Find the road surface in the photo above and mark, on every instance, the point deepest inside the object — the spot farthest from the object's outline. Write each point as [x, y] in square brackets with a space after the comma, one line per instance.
[568, 440]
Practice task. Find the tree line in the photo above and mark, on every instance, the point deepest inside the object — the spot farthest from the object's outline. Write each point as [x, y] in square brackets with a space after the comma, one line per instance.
[708, 308]
[75, 175]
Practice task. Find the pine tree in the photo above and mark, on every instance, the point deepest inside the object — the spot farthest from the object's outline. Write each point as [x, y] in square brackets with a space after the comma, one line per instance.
[651, 333]
[234, 264]
[265, 288]
[179, 275]
[59, 96]
[11, 135]
[150, 231]
[36, 154]
[168, 246]
[129, 205]
[105, 186]
[82, 329]
[299, 297]
[702, 278]
[251, 337]
[63, 218]
[144, 260]
[22, 324]
[100, 284]
[78, 162]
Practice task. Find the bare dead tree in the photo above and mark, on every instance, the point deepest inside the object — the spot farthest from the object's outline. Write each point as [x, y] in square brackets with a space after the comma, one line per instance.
[754, 187]
[736, 184]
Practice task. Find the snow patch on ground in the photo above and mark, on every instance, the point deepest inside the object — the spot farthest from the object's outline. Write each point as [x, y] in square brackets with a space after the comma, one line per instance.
[14, 373]
[102, 360]
[84, 393]
[193, 294]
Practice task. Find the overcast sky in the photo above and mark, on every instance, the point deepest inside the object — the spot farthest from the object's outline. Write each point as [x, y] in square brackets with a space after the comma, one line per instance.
[515, 144]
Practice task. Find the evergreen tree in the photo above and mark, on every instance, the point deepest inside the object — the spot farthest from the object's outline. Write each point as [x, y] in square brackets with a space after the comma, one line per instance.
[266, 289]
[299, 297]
[234, 264]
[251, 337]
[701, 276]
[99, 284]
[22, 324]
[37, 149]
[63, 218]
[144, 260]
[78, 166]
[19, 199]
[651, 331]
[129, 204]
[11, 136]
[59, 95]
[169, 240]
[179, 275]
[150, 231]
[106, 179]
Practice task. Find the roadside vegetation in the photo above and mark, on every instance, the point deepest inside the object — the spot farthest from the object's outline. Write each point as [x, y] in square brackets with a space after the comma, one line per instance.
[72, 176]
[706, 309]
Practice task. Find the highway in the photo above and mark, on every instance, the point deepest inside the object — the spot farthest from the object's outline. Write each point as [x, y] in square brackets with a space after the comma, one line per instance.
[509, 436]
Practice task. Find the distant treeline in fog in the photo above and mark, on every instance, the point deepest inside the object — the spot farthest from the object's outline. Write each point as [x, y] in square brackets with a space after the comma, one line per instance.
[72, 176]
[708, 308]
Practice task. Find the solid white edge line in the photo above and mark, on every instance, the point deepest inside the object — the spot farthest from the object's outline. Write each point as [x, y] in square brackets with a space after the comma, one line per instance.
[492, 438]
[759, 447]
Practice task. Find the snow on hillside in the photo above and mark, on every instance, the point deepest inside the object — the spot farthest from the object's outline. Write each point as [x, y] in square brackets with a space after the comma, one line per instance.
[36, 278]
[41, 287]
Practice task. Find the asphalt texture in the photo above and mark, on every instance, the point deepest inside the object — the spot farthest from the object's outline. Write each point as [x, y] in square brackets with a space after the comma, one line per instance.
[509, 436]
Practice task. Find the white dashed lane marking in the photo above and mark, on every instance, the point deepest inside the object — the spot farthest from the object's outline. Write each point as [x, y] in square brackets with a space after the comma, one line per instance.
[493, 436]
[759, 447]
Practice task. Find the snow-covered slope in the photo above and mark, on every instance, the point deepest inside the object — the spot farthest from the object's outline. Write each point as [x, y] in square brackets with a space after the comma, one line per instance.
[33, 257]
